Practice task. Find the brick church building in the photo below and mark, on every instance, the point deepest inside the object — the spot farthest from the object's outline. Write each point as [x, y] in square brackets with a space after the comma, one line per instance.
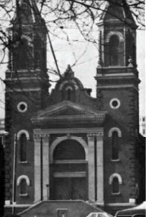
[64, 145]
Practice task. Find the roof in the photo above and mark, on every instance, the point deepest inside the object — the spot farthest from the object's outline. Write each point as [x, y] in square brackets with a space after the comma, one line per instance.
[117, 11]
[140, 209]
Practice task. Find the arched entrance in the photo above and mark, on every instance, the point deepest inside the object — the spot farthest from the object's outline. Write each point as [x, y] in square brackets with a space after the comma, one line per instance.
[68, 171]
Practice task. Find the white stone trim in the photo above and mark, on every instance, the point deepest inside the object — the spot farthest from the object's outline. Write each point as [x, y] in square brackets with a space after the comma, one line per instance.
[111, 33]
[124, 75]
[47, 132]
[69, 174]
[69, 84]
[21, 132]
[114, 129]
[117, 176]
[60, 139]
[68, 88]
[24, 89]
[22, 110]
[23, 177]
[100, 170]
[120, 204]
[17, 205]
[118, 103]
[118, 86]
[23, 195]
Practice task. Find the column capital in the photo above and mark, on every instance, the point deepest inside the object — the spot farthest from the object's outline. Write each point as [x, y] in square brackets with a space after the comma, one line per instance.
[98, 134]
[38, 136]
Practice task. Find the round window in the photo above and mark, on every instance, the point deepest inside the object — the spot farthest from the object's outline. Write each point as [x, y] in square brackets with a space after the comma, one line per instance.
[115, 103]
[22, 107]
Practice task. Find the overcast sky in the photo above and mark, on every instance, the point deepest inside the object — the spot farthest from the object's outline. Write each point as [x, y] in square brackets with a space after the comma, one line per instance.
[85, 55]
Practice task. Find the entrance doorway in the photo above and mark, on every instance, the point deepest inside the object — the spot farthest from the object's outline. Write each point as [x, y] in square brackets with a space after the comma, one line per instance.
[69, 172]
[70, 188]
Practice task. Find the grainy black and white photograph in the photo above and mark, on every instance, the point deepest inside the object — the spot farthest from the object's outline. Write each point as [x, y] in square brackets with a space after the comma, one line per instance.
[72, 108]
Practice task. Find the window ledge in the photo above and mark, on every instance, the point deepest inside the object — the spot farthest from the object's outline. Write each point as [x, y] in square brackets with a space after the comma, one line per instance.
[23, 195]
[23, 162]
[116, 160]
[118, 193]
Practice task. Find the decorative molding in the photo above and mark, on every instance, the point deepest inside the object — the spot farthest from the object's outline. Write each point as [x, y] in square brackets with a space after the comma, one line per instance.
[19, 107]
[23, 132]
[117, 176]
[69, 84]
[23, 177]
[118, 193]
[60, 139]
[118, 86]
[18, 205]
[69, 174]
[47, 132]
[95, 134]
[23, 195]
[120, 204]
[40, 134]
[70, 161]
[23, 89]
[114, 129]
[69, 88]
[117, 101]
[111, 33]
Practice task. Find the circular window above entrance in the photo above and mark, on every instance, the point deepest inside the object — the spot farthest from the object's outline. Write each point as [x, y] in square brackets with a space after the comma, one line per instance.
[115, 103]
[22, 107]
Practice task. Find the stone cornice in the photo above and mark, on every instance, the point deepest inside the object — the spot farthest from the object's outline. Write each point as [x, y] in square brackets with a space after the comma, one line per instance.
[46, 132]
[63, 119]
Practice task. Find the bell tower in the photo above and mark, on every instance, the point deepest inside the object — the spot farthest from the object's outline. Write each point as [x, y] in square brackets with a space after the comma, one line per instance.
[117, 92]
[27, 86]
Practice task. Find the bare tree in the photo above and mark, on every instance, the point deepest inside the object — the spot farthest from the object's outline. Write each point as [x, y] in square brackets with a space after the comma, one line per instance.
[61, 16]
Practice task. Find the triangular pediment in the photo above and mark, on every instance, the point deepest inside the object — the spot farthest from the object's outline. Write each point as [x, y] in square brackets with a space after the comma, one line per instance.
[65, 108]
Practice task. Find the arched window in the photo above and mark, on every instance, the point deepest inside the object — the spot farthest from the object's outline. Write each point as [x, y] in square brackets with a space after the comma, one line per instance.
[22, 54]
[68, 94]
[23, 182]
[115, 180]
[23, 142]
[23, 187]
[115, 185]
[114, 50]
[115, 146]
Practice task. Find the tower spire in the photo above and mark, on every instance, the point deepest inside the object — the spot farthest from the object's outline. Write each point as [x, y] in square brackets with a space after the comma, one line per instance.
[27, 12]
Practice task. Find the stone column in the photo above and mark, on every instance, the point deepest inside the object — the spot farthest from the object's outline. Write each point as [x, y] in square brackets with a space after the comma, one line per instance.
[91, 168]
[100, 168]
[46, 167]
[37, 169]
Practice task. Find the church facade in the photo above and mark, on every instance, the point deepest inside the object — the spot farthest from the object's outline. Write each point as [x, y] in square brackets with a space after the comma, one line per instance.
[66, 145]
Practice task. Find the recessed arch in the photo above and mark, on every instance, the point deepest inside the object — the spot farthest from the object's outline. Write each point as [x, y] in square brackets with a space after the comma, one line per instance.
[69, 150]
[69, 87]
[60, 139]
[23, 132]
[112, 33]
[114, 129]
[115, 175]
[23, 177]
